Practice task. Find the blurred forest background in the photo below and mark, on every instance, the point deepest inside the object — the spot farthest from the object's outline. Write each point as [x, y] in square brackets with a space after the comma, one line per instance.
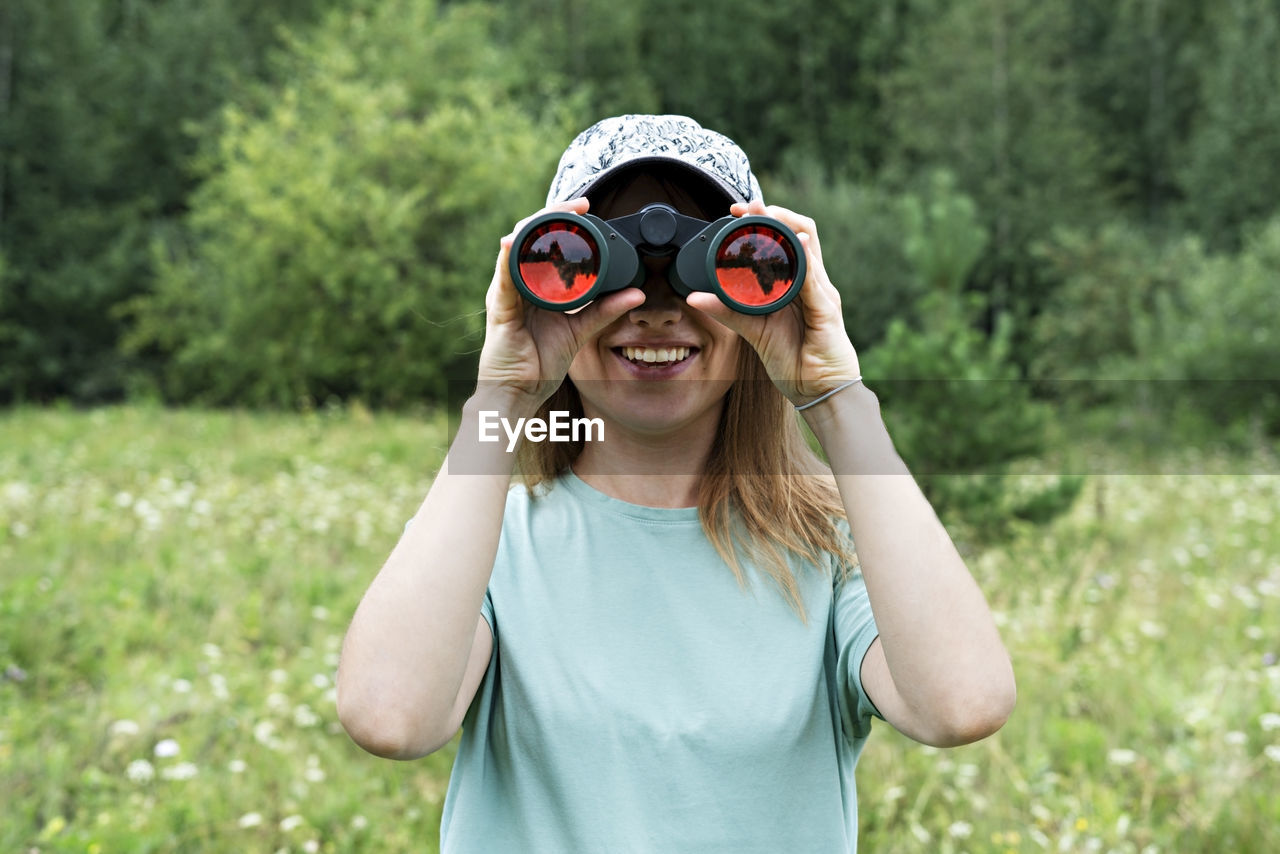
[289, 202]
[243, 251]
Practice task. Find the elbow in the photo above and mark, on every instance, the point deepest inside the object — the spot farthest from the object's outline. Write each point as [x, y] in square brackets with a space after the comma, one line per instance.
[386, 731]
[974, 714]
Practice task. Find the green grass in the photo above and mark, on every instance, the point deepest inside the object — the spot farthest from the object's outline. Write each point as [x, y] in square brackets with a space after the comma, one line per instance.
[182, 580]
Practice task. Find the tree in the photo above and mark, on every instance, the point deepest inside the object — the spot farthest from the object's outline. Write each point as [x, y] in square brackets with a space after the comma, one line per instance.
[95, 99]
[344, 235]
[1232, 167]
[988, 92]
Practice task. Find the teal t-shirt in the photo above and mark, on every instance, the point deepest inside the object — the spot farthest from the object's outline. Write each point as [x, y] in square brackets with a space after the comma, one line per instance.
[638, 699]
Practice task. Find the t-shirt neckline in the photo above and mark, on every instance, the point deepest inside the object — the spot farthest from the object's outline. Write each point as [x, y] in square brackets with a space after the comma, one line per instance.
[584, 491]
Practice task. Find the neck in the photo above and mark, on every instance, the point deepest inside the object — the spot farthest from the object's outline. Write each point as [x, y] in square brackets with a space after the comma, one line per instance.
[650, 469]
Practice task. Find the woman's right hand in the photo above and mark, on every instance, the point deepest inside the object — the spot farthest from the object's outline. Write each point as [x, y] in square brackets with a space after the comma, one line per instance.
[527, 350]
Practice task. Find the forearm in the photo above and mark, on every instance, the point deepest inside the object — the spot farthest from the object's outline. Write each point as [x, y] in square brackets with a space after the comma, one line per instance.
[408, 644]
[948, 665]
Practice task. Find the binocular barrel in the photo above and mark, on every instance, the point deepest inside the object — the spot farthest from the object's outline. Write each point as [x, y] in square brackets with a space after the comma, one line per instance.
[561, 261]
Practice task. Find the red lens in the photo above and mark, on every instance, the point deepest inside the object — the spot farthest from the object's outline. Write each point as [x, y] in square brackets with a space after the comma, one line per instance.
[755, 265]
[559, 262]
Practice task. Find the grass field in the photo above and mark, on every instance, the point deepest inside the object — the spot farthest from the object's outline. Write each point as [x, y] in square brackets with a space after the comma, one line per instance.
[174, 588]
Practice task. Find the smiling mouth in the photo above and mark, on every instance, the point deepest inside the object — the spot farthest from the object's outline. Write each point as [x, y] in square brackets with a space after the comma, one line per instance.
[655, 357]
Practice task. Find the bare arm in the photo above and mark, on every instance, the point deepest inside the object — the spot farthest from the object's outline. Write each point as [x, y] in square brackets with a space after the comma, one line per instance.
[938, 672]
[417, 647]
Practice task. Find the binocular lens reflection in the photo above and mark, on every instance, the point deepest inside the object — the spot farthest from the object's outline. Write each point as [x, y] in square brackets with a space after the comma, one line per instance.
[559, 262]
[755, 265]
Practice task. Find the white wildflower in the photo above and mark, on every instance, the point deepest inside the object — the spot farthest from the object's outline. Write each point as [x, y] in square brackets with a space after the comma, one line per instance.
[140, 771]
[1235, 738]
[303, 716]
[125, 728]
[250, 819]
[960, 829]
[1122, 756]
[1272, 752]
[167, 748]
[1270, 721]
[291, 822]
[182, 686]
[237, 766]
[264, 732]
[181, 771]
[359, 822]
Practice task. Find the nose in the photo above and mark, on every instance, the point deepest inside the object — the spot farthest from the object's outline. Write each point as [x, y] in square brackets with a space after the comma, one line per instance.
[661, 303]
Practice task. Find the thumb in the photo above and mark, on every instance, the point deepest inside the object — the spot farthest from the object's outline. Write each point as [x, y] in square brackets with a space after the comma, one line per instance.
[711, 305]
[600, 313]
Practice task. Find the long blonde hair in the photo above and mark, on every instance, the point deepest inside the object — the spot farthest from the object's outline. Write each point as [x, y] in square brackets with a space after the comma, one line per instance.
[763, 490]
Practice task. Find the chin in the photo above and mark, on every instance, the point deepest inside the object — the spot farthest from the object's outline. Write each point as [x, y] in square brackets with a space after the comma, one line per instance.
[655, 411]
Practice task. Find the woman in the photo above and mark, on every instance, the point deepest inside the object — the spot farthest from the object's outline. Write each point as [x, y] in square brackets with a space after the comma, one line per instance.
[663, 641]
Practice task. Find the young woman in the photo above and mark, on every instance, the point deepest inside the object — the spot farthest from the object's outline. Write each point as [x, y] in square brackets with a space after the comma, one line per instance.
[664, 640]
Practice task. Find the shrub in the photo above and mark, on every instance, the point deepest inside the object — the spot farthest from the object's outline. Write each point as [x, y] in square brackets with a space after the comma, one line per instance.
[954, 400]
[1216, 337]
[346, 230]
[861, 228]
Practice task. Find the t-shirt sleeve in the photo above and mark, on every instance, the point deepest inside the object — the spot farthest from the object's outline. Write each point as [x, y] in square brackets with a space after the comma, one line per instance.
[855, 629]
[486, 611]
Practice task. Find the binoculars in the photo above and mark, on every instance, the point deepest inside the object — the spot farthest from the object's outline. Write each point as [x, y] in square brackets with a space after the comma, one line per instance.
[561, 261]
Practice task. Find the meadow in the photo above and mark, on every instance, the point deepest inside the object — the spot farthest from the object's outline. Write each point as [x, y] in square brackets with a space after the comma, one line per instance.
[174, 587]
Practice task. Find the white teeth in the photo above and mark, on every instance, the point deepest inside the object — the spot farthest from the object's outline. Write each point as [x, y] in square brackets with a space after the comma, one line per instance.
[651, 355]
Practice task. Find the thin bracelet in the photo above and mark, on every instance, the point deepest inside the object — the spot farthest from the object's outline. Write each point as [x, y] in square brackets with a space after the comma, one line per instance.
[833, 391]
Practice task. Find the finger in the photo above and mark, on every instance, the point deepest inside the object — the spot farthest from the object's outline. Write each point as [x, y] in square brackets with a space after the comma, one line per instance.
[578, 206]
[817, 291]
[601, 312]
[748, 326]
[503, 302]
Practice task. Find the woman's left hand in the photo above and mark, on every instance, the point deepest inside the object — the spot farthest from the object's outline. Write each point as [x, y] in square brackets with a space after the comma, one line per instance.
[804, 346]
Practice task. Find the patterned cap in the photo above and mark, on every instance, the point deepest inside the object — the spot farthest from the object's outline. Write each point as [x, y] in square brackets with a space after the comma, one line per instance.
[611, 144]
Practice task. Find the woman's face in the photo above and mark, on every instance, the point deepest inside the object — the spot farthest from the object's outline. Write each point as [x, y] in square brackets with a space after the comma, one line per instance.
[661, 366]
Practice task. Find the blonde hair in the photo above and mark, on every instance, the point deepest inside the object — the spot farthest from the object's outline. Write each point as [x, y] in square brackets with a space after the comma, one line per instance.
[763, 489]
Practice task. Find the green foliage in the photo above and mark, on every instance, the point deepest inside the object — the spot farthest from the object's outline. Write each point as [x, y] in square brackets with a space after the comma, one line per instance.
[1139, 64]
[1110, 281]
[1216, 339]
[860, 226]
[943, 239]
[188, 576]
[93, 163]
[1233, 162]
[987, 90]
[953, 398]
[343, 239]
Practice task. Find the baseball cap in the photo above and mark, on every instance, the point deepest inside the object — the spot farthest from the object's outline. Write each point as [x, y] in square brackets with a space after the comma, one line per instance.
[621, 142]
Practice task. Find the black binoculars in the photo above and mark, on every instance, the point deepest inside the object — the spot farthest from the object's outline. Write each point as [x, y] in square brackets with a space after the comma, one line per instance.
[561, 261]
